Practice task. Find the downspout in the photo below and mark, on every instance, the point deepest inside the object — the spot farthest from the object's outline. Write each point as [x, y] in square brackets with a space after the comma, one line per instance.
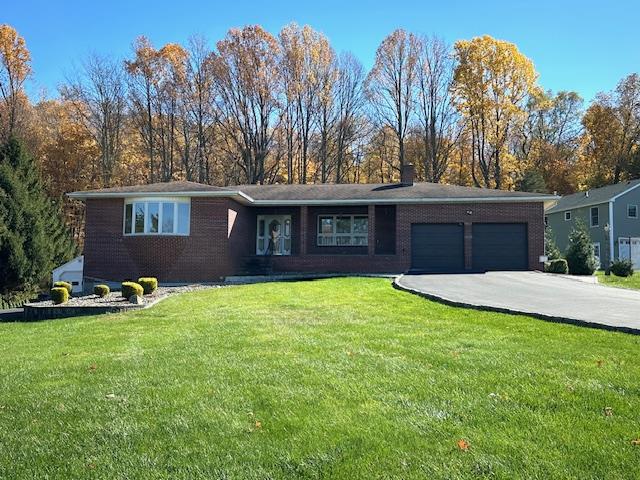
[611, 232]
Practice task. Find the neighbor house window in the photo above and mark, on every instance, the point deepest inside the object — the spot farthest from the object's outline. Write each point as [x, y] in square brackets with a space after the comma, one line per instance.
[595, 216]
[567, 216]
[596, 252]
[343, 230]
[632, 211]
[156, 217]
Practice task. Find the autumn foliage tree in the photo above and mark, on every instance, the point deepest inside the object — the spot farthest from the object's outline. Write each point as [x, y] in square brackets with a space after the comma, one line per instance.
[493, 81]
[15, 68]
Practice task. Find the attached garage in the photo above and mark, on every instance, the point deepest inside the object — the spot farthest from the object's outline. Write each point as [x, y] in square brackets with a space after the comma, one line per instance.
[437, 247]
[499, 246]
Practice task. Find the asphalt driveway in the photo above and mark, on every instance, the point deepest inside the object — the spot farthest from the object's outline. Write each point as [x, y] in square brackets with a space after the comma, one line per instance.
[533, 293]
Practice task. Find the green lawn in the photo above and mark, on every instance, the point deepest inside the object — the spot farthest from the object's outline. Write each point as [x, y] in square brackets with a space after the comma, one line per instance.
[340, 378]
[625, 282]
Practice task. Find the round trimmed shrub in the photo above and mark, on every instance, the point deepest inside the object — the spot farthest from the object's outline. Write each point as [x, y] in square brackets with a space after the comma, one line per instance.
[101, 290]
[622, 268]
[558, 265]
[59, 295]
[66, 285]
[131, 288]
[149, 284]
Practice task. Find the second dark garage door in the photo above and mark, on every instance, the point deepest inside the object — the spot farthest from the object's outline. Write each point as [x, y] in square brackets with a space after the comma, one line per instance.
[499, 246]
[437, 247]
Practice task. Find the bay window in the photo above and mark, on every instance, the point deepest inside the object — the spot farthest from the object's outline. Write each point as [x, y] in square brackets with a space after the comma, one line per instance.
[156, 217]
[343, 230]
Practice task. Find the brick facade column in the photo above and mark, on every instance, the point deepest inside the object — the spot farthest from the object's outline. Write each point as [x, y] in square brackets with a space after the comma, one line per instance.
[372, 225]
[304, 210]
[468, 239]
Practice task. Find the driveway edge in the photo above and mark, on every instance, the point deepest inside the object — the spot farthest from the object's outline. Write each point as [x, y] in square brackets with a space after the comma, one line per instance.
[487, 308]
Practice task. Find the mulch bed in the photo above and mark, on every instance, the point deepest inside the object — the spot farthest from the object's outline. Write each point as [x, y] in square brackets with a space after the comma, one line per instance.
[115, 299]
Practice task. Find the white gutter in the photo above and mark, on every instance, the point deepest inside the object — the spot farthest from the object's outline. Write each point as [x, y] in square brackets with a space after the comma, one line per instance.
[214, 194]
[381, 201]
[611, 232]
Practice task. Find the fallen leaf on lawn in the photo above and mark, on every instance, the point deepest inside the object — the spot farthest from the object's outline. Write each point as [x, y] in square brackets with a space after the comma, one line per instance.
[463, 445]
[600, 363]
[608, 411]
[258, 424]
[349, 353]
[635, 442]
[455, 354]
[110, 396]
[93, 367]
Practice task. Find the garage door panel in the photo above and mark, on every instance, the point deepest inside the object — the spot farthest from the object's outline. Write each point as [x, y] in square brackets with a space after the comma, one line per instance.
[437, 247]
[499, 246]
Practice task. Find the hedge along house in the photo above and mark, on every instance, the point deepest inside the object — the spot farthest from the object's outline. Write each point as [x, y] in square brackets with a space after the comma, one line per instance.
[611, 216]
[190, 232]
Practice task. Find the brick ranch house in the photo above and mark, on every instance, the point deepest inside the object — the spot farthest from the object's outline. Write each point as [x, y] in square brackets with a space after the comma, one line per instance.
[190, 232]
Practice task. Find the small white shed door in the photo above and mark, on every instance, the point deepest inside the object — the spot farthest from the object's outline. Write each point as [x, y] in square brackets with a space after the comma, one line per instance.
[629, 248]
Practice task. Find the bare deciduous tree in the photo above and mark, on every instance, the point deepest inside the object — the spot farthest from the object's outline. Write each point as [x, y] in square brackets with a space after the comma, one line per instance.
[98, 94]
[391, 85]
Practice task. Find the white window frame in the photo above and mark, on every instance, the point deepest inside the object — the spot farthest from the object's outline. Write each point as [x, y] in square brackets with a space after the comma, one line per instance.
[567, 215]
[594, 225]
[159, 200]
[334, 235]
[634, 206]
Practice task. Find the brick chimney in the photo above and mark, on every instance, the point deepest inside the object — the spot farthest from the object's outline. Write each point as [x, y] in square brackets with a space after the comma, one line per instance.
[406, 174]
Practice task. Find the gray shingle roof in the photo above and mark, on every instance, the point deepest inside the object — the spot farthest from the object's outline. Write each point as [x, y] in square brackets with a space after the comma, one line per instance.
[372, 191]
[595, 196]
[161, 187]
[318, 193]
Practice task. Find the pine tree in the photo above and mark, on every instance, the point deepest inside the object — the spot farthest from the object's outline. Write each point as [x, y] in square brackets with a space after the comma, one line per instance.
[532, 181]
[580, 255]
[33, 237]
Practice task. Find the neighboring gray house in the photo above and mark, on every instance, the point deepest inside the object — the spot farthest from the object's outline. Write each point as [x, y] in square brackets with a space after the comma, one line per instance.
[611, 216]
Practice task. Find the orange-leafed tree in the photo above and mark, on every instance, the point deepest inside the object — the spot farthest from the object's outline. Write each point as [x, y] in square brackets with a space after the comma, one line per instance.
[15, 68]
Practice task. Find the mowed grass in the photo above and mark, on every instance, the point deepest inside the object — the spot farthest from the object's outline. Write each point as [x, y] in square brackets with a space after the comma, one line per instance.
[340, 378]
[632, 282]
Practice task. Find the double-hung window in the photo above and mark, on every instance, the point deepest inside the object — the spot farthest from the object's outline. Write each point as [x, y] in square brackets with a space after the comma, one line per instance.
[632, 211]
[156, 217]
[595, 216]
[343, 230]
[567, 215]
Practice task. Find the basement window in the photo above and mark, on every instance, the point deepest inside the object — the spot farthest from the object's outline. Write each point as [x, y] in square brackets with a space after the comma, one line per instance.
[567, 216]
[156, 217]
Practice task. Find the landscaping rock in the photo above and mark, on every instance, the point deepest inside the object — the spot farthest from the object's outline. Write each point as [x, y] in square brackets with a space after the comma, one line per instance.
[136, 300]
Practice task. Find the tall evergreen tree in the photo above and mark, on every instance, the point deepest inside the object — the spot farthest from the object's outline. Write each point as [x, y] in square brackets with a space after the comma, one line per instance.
[33, 237]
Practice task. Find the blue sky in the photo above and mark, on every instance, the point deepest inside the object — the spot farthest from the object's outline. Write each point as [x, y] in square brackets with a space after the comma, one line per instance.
[586, 46]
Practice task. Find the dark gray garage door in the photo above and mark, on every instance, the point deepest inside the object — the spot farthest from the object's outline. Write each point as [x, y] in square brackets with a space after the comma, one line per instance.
[437, 247]
[499, 246]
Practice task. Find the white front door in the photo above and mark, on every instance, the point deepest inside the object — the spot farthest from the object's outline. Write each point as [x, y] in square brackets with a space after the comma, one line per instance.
[273, 235]
[629, 248]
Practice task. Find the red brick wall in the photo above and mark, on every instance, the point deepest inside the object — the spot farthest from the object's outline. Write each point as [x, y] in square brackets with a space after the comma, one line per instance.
[529, 213]
[201, 256]
[223, 237]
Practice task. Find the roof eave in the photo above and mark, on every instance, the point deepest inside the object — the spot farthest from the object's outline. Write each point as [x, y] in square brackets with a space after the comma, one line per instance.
[247, 200]
[221, 194]
[405, 201]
